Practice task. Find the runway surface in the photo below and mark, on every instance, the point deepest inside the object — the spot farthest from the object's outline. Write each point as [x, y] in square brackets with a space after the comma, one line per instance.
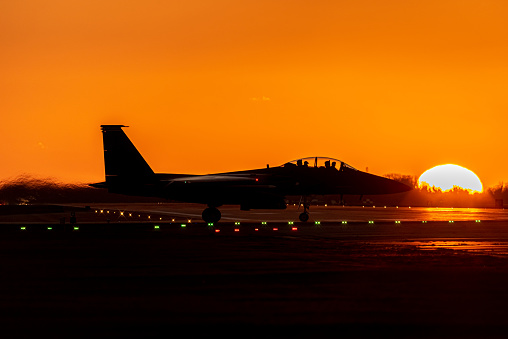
[329, 279]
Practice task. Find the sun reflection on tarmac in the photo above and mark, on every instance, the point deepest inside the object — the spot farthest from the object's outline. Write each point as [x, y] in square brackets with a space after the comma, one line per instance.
[497, 248]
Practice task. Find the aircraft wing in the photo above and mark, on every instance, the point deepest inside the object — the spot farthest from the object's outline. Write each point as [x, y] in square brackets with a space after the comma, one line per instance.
[220, 181]
[214, 178]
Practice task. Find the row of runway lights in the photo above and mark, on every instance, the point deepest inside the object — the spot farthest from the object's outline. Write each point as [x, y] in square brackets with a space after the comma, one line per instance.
[237, 223]
[263, 222]
[149, 217]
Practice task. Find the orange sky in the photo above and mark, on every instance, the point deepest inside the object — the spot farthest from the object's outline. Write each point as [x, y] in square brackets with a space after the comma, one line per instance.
[206, 86]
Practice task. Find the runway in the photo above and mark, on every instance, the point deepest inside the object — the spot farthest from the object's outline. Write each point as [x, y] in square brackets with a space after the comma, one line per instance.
[180, 212]
[438, 279]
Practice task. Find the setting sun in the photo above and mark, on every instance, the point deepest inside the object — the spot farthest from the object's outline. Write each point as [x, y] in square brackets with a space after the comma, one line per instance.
[448, 176]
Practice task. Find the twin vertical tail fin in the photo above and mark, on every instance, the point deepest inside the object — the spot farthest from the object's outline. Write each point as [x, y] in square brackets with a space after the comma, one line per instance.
[122, 161]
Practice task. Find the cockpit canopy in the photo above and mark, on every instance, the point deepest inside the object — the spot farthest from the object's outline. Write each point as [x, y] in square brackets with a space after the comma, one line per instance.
[319, 162]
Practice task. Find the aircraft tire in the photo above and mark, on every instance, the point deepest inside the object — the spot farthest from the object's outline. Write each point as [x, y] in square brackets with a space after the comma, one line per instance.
[304, 217]
[211, 214]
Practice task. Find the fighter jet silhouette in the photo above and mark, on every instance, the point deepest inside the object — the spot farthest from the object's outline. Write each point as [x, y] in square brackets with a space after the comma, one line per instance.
[265, 188]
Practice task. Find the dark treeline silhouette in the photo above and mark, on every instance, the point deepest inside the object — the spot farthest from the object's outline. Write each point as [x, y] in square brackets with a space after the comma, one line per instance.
[427, 196]
[29, 190]
[500, 191]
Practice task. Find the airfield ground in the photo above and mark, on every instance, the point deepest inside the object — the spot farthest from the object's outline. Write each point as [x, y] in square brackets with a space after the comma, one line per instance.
[130, 279]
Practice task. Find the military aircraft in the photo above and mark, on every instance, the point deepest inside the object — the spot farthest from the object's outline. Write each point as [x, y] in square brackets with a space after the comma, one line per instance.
[265, 188]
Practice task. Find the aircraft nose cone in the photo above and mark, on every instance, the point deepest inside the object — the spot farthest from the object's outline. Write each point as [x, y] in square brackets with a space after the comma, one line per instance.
[391, 186]
[399, 187]
[379, 185]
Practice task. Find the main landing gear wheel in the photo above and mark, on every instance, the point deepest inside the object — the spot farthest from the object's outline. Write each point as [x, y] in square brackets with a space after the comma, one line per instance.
[304, 217]
[211, 214]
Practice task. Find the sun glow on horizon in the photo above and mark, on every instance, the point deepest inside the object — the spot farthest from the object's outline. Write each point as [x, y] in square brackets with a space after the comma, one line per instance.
[448, 176]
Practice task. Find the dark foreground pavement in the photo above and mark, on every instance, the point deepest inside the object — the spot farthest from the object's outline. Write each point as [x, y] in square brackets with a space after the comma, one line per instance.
[333, 281]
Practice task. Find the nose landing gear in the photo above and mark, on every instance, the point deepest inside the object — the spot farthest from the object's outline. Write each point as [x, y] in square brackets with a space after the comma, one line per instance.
[304, 216]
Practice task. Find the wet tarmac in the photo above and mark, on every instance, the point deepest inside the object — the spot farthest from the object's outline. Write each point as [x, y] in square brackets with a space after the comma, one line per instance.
[143, 278]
